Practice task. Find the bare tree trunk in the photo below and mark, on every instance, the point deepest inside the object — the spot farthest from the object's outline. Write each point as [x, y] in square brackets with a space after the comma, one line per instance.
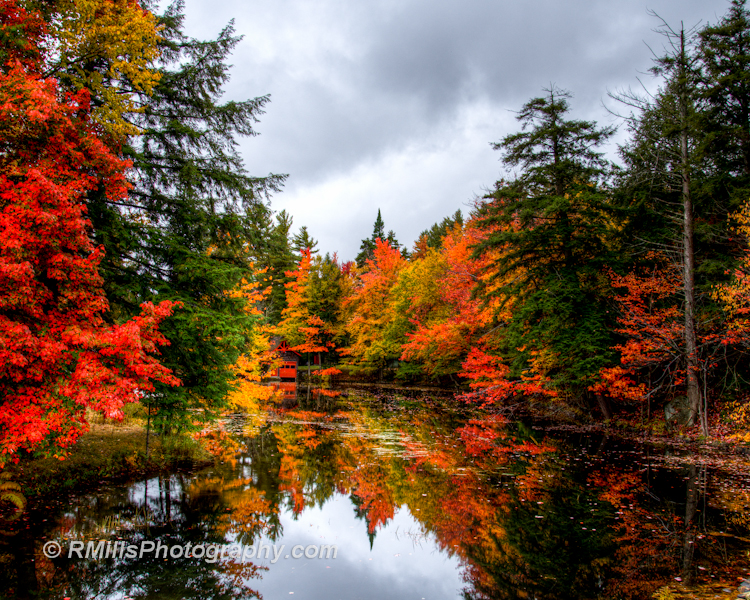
[688, 251]
[604, 407]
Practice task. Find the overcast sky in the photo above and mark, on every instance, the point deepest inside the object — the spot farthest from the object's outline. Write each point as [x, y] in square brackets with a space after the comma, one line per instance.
[392, 104]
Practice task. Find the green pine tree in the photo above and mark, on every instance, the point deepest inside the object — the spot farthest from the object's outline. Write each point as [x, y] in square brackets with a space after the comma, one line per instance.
[302, 240]
[367, 248]
[434, 235]
[724, 93]
[554, 218]
[666, 175]
[280, 259]
[182, 233]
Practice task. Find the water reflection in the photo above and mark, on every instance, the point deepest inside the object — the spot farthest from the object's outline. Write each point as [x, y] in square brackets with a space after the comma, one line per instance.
[420, 502]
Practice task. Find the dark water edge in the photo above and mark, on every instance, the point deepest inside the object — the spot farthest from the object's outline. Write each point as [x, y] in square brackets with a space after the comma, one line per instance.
[421, 499]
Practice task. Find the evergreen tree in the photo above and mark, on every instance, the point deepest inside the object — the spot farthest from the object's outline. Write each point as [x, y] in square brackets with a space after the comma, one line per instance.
[665, 162]
[391, 239]
[304, 241]
[378, 229]
[724, 93]
[724, 121]
[280, 260]
[433, 237]
[367, 248]
[180, 236]
[550, 224]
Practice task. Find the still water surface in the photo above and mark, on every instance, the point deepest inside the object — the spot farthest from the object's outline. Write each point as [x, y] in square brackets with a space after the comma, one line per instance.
[421, 501]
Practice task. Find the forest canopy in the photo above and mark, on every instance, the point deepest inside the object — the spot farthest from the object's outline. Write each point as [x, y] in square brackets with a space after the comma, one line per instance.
[141, 262]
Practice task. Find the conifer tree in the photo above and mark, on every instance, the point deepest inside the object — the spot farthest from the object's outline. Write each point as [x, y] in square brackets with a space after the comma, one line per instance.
[724, 92]
[552, 222]
[181, 234]
[665, 165]
[302, 240]
[367, 248]
[279, 260]
[433, 237]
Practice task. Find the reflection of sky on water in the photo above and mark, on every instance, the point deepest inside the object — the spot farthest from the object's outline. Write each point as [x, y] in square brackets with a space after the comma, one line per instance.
[403, 562]
[617, 518]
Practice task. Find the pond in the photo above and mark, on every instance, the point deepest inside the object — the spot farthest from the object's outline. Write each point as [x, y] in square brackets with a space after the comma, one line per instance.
[358, 497]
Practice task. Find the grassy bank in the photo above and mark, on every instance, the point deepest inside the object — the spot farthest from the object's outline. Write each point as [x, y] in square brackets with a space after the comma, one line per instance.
[108, 452]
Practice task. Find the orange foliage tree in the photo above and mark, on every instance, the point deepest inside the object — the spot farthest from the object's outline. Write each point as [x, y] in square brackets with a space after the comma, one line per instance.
[650, 323]
[446, 315]
[653, 355]
[303, 330]
[368, 311]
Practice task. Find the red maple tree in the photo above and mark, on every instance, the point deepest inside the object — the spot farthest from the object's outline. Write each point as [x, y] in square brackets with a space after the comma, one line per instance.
[58, 356]
[652, 327]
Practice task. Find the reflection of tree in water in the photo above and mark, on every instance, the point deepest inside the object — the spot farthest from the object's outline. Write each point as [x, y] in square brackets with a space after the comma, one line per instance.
[558, 549]
[196, 515]
[178, 513]
[523, 518]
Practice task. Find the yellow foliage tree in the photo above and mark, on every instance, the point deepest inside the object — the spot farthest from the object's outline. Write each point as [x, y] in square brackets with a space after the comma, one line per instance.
[369, 310]
[107, 47]
[735, 296]
[248, 393]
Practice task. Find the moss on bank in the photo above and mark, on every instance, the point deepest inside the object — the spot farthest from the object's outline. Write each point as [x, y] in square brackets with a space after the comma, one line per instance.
[108, 452]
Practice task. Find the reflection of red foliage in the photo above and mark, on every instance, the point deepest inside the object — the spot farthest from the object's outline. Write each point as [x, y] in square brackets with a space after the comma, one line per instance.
[306, 415]
[478, 440]
[489, 437]
[643, 557]
[308, 438]
[330, 393]
[377, 499]
[291, 482]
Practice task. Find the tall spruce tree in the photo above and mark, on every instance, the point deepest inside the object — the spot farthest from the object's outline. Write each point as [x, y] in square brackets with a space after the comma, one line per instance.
[550, 225]
[724, 92]
[181, 235]
[280, 260]
[367, 248]
[678, 65]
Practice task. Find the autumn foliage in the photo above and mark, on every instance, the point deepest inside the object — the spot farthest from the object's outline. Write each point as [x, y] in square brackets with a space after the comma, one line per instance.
[650, 323]
[58, 354]
[446, 328]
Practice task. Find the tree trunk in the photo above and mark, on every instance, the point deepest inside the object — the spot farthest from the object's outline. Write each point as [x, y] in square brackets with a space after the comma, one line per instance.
[148, 427]
[688, 252]
[604, 406]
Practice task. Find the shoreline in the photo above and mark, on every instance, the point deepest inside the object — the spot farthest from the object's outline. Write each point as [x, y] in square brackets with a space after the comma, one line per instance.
[107, 453]
[115, 452]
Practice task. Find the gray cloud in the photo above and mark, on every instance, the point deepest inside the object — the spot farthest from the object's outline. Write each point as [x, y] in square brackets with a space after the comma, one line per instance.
[393, 104]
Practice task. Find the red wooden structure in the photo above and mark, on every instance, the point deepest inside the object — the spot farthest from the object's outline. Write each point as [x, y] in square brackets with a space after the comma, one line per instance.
[290, 360]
